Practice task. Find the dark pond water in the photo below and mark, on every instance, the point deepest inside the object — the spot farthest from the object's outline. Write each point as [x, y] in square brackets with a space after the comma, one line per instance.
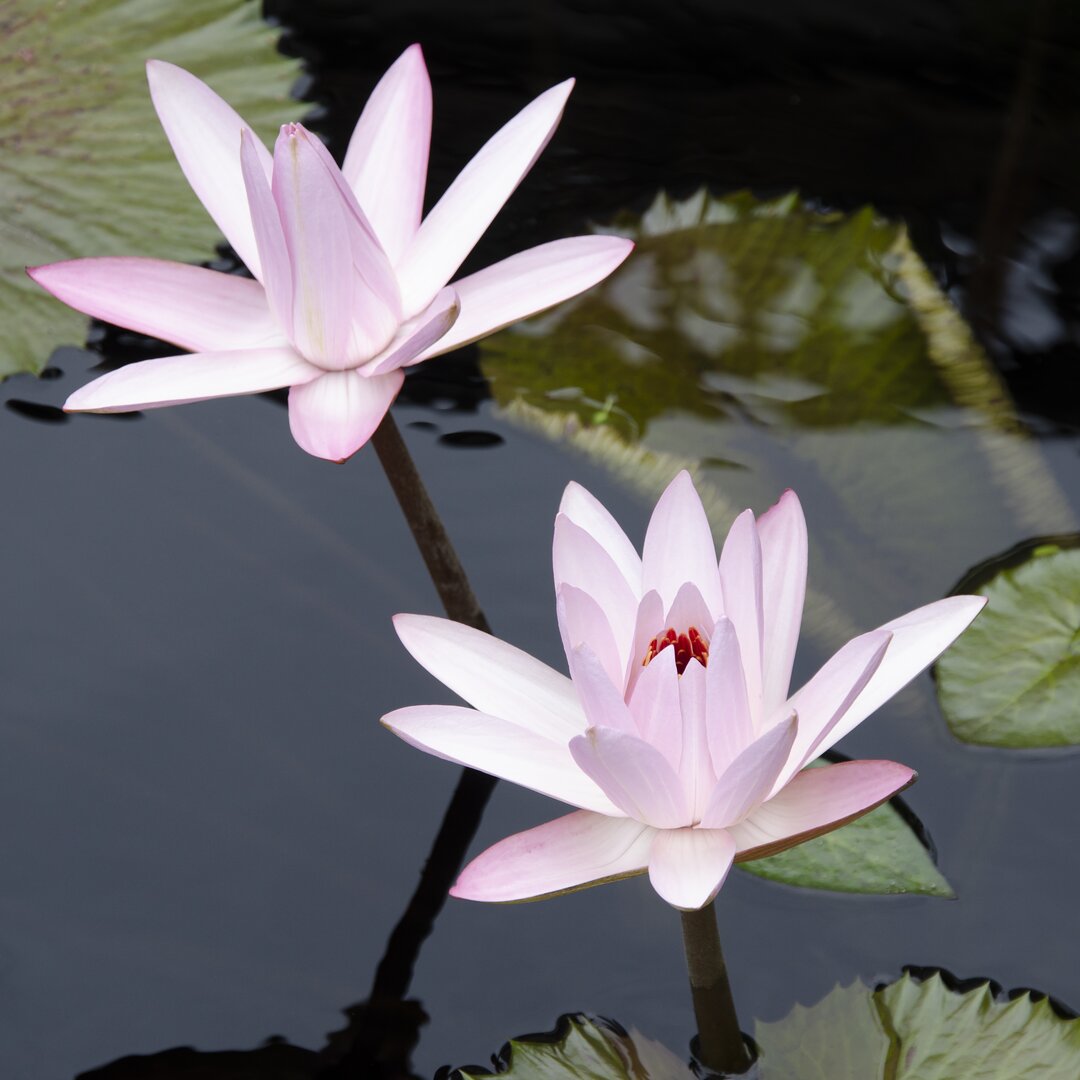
[207, 835]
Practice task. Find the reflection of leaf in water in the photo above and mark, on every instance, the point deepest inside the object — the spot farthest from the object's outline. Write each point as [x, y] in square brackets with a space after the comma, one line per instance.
[797, 349]
[1014, 678]
[877, 854]
[916, 1029]
[582, 1048]
[84, 166]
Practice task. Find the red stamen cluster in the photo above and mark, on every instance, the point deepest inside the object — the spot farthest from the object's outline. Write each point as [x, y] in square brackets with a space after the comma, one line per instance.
[687, 646]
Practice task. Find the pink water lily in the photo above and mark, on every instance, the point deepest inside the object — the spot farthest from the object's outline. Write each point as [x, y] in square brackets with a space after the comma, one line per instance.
[676, 735]
[350, 285]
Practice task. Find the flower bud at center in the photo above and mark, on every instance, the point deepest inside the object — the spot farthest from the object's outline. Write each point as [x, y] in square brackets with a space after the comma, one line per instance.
[690, 645]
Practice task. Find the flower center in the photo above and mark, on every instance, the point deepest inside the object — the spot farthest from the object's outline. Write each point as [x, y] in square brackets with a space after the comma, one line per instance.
[690, 645]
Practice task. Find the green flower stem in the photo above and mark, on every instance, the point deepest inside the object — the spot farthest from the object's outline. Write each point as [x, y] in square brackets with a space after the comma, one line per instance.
[462, 817]
[721, 1046]
[447, 573]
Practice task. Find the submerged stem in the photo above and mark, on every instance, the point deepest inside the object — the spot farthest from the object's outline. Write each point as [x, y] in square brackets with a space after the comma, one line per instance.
[721, 1046]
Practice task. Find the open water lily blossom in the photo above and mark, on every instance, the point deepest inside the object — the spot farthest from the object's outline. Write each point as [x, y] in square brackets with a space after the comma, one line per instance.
[676, 736]
[350, 284]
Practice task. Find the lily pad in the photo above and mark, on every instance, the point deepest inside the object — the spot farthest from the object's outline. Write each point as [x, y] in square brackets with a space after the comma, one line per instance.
[912, 1029]
[1013, 679]
[765, 344]
[921, 1029]
[85, 168]
[879, 853]
[583, 1048]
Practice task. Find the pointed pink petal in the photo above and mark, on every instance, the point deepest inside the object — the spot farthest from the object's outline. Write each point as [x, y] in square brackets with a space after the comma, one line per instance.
[578, 559]
[695, 765]
[559, 856]
[197, 309]
[582, 621]
[688, 866]
[918, 639]
[588, 513]
[741, 577]
[277, 273]
[175, 380]
[823, 703]
[602, 701]
[386, 162]
[529, 282]
[205, 136]
[679, 547]
[689, 609]
[818, 801]
[648, 622]
[493, 676]
[333, 416]
[315, 225]
[499, 747]
[414, 336]
[656, 706]
[727, 709]
[462, 215]
[782, 530]
[749, 778]
[634, 775]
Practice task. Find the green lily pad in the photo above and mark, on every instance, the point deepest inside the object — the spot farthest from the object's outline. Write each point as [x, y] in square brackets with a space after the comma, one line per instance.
[764, 344]
[912, 1029]
[584, 1048]
[878, 853]
[920, 1029]
[85, 168]
[1013, 679]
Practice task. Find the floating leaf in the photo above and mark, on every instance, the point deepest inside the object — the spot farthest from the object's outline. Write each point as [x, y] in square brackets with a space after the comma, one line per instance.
[582, 1048]
[85, 168]
[878, 853]
[1013, 678]
[920, 1029]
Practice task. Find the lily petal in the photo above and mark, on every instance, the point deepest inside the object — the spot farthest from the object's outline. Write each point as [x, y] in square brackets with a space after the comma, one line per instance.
[333, 416]
[695, 763]
[741, 576]
[656, 707]
[414, 336]
[688, 866]
[823, 703]
[602, 701]
[205, 135]
[728, 720]
[588, 513]
[175, 380]
[501, 748]
[679, 547]
[746, 782]
[581, 620]
[918, 639]
[818, 801]
[387, 159]
[578, 559]
[569, 853]
[648, 622]
[527, 283]
[462, 215]
[635, 776]
[782, 531]
[315, 225]
[493, 676]
[190, 306]
[277, 273]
